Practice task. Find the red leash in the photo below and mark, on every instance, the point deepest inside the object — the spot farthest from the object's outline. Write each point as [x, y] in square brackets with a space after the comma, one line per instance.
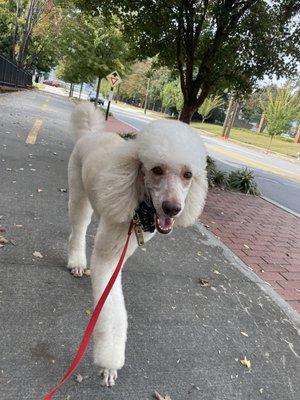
[92, 322]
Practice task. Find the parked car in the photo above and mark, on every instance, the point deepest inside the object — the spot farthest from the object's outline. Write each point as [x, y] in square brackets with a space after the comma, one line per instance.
[52, 83]
[92, 97]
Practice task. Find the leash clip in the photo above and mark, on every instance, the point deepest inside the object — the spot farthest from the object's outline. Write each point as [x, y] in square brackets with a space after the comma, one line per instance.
[138, 229]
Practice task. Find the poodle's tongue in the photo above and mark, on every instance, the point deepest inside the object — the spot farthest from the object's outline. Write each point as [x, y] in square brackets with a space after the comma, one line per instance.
[164, 224]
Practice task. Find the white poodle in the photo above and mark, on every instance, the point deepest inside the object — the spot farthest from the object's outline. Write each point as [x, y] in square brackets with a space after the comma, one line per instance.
[162, 169]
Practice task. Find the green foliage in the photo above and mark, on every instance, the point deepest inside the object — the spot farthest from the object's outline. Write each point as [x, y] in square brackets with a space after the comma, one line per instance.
[134, 85]
[6, 28]
[281, 107]
[90, 48]
[128, 135]
[212, 45]
[243, 180]
[172, 95]
[209, 104]
[215, 176]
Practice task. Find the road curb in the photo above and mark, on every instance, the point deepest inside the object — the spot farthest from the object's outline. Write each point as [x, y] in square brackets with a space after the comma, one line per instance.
[292, 315]
[280, 206]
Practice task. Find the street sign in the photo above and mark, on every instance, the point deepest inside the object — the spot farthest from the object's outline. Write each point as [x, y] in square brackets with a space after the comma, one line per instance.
[114, 79]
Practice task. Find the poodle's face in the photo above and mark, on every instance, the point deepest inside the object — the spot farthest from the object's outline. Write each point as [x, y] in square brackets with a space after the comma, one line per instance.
[168, 187]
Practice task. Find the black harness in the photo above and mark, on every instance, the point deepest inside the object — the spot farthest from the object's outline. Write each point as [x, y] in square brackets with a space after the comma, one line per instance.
[145, 216]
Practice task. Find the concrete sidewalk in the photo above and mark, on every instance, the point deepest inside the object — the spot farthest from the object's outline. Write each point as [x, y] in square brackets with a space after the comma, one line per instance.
[185, 339]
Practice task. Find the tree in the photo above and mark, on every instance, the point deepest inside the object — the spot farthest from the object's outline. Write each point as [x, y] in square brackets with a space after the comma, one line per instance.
[29, 31]
[134, 85]
[89, 48]
[172, 96]
[280, 109]
[209, 104]
[211, 44]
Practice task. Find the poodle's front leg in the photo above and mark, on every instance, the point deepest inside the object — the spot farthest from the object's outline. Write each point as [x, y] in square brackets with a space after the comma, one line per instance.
[111, 330]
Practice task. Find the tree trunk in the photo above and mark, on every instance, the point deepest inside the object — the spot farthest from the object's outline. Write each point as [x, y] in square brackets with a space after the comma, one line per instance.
[232, 119]
[297, 137]
[187, 113]
[228, 114]
[16, 30]
[261, 124]
[97, 91]
[80, 92]
[26, 34]
[270, 142]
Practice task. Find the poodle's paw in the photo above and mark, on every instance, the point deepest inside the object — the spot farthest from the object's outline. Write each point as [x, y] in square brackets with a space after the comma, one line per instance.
[108, 377]
[77, 271]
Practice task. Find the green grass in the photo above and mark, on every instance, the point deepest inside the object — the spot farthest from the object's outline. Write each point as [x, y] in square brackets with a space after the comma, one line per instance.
[279, 145]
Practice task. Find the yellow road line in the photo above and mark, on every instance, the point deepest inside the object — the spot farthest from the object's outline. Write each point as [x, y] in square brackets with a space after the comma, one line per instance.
[44, 107]
[34, 131]
[256, 164]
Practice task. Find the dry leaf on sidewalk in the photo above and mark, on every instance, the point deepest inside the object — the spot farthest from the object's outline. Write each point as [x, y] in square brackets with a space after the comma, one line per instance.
[160, 397]
[78, 378]
[3, 240]
[37, 254]
[204, 282]
[246, 362]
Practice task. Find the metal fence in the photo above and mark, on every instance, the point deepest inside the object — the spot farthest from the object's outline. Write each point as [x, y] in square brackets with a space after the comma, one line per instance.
[11, 75]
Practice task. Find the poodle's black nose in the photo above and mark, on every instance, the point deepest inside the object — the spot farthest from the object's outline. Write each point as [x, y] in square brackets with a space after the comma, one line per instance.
[171, 209]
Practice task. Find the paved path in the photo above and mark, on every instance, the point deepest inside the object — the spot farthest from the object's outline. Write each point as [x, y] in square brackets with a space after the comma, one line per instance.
[184, 339]
[264, 236]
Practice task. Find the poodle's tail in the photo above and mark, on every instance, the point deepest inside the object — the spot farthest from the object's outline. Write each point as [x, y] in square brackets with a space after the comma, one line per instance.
[86, 119]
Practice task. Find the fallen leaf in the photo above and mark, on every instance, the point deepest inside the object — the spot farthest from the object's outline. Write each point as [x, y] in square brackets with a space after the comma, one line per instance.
[39, 190]
[246, 362]
[244, 334]
[3, 240]
[87, 272]
[78, 378]
[88, 312]
[37, 254]
[160, 397]
[204, 282]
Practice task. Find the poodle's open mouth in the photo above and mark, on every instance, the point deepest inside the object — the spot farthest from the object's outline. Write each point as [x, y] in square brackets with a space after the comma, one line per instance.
[164, 224]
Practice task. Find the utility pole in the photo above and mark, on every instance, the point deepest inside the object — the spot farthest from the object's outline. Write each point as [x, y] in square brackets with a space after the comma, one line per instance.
[146, 99]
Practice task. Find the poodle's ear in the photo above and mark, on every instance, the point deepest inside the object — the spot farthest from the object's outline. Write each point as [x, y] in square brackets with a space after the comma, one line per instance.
[194, 202]
[119, 189]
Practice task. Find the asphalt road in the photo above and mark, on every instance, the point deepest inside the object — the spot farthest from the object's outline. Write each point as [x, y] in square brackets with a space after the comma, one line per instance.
[184, 339]
[277, 178]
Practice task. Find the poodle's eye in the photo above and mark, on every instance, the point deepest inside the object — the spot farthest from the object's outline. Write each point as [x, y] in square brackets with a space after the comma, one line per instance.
[157, 171]
[187, 175]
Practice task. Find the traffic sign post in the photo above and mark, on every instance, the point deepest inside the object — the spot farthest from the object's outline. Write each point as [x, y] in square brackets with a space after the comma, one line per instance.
[114, 80]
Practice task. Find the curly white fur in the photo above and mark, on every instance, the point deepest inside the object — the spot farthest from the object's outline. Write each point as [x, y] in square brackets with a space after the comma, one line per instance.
[111, 176]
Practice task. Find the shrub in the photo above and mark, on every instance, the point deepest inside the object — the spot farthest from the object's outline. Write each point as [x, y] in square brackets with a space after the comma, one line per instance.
[244, 181]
